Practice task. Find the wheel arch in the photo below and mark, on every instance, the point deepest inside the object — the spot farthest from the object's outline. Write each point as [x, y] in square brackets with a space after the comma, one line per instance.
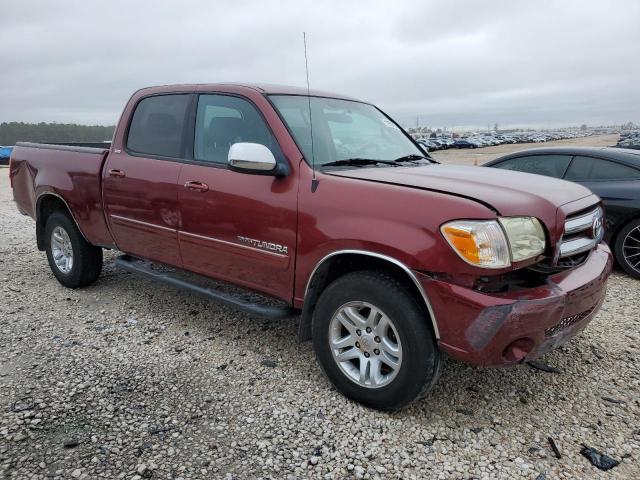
[340, 262]
[46, 204]
[620, 225]
[613, 240]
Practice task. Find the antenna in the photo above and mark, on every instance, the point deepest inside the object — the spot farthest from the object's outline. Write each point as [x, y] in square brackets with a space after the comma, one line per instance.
[314, 181]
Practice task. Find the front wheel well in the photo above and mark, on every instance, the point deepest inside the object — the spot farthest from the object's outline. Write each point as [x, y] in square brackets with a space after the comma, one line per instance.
[47, 204]
[337, 265]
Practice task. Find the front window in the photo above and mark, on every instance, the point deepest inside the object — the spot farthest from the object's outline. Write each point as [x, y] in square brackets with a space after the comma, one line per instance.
[221, 121]
[343, 130]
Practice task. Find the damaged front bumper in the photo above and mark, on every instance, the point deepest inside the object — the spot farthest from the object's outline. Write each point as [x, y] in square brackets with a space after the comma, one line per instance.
[507, 328]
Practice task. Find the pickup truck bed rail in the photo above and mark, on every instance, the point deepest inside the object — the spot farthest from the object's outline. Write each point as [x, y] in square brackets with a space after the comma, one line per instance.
[66, 148]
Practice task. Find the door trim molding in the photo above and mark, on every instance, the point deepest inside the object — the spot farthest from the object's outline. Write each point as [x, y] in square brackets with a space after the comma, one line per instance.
[140, 222]
[233, 244]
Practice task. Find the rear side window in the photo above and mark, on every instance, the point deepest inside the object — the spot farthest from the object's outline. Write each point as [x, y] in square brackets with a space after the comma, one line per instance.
[223, 120]
[157, 126]
[549, 165]
[589, 168]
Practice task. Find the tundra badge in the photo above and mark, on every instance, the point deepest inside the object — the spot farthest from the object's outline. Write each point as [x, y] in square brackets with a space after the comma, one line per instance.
[274, 247]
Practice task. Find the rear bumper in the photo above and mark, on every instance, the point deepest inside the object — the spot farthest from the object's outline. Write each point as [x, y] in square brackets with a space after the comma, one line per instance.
[481, 328]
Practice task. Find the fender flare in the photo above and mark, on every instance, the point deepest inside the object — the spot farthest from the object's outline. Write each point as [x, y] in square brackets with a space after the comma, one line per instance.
[39, 227]
[380, 256]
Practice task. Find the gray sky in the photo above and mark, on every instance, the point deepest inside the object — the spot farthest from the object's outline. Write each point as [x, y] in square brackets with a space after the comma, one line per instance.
[453, 63]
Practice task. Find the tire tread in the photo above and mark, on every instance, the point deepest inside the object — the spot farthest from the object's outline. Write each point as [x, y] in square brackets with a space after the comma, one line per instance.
[387, 283]
[87, 258]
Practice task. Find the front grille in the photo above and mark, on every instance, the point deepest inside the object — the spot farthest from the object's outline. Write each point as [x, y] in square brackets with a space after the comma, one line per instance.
[566, 322]
[582, 232]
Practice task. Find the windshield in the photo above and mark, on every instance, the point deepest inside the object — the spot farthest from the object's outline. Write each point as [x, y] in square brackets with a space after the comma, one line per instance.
[342, 130]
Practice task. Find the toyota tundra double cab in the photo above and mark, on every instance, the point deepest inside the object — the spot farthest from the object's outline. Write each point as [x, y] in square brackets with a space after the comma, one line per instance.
[328, 208]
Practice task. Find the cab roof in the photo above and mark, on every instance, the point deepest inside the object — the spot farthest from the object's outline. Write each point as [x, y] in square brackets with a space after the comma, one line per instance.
[264, 88]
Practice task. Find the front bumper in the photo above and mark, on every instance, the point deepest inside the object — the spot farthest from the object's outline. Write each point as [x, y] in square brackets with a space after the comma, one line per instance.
[502, 329]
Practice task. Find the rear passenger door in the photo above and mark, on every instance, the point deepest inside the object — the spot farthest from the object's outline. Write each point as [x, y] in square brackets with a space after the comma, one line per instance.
[140, 191]
[236, 226]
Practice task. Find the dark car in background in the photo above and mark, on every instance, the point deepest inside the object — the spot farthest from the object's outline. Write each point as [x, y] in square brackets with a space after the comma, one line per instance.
[464, 144]
[611, 173]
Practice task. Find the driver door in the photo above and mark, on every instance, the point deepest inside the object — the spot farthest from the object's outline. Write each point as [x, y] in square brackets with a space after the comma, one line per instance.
[236, 227]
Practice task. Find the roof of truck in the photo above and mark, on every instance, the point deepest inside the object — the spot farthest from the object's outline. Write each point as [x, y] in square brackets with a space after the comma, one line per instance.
[264, 88]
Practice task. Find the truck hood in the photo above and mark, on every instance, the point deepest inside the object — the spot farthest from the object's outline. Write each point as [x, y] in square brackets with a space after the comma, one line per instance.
[505, 191]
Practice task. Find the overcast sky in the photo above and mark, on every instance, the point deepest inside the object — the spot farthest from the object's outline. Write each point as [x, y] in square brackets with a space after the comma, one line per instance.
[452, 63]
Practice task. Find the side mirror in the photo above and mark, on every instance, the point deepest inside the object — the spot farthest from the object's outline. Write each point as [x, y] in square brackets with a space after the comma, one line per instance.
[253, 158]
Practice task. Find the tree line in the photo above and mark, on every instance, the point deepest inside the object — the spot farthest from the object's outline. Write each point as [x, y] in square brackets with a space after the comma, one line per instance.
[12, 132]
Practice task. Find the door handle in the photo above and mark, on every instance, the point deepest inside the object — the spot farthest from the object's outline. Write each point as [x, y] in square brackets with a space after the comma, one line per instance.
[114, 172]
[197, 186]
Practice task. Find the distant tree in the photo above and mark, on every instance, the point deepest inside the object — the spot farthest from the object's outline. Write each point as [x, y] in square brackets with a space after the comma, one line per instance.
[583, 127]
[495, 127]
[12, 132]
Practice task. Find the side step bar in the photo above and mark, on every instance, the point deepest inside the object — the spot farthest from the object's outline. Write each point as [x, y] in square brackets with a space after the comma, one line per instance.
[140, 267]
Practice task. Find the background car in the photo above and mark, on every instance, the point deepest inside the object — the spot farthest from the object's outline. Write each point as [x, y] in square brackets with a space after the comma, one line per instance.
[611, 173]
[464, 144]
[426, 144]
[629, 140]
[5, 153]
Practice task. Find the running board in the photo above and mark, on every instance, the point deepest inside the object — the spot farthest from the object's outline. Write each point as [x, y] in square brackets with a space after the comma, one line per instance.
[140, 267]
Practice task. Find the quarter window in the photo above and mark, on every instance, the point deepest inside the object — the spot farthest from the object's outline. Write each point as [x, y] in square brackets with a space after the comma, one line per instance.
[549, 165]
[589, 168]
[223, 120]
[157, 126]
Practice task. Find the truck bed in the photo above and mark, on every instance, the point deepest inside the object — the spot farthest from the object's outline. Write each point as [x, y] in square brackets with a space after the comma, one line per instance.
[73, 174]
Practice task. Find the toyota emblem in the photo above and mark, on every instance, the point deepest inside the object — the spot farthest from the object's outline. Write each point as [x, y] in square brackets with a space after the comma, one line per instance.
[596, 227]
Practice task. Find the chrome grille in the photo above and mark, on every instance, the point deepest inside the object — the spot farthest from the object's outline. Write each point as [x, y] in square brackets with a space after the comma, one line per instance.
[582, 232]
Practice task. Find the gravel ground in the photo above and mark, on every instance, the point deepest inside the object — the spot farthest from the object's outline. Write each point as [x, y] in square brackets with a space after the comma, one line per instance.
[129, 379]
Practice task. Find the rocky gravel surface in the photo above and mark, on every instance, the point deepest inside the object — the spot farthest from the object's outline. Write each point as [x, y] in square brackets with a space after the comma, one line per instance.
[130, 379]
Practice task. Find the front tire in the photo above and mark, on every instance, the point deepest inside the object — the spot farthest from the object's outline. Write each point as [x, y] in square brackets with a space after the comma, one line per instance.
[627, 248]
[374, 341]
[74, 262]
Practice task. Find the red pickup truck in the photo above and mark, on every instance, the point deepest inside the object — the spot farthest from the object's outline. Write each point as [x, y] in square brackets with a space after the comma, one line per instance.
[326, 205]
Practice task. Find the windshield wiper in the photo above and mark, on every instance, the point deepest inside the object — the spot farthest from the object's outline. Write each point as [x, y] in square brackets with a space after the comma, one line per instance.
[412, 156]
[356, 162]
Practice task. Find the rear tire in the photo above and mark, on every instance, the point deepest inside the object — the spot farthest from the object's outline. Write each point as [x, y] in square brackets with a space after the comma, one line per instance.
[396, 332]
[73, 261]
[627, 248]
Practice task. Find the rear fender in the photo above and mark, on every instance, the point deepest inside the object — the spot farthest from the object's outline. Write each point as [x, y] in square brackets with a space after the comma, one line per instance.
[46, 204]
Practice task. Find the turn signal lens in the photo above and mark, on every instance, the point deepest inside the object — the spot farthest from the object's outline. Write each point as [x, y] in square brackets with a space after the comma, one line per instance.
[479, 243]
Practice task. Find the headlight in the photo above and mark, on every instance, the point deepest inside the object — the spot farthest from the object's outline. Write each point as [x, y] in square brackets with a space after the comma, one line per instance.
[495, 244]
[480, 243]
[525, 235]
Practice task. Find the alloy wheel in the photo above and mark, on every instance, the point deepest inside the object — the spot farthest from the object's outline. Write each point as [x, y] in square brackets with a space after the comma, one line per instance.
[61, 249]
[365, 344]
[631, 249]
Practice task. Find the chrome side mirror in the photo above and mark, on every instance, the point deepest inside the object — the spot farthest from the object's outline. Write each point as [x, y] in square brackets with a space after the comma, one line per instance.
[251, 158]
